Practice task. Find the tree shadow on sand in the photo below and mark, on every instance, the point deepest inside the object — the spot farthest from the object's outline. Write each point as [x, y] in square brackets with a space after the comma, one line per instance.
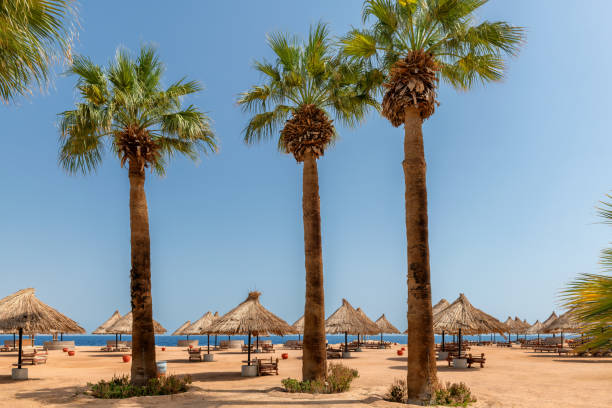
[56, 395]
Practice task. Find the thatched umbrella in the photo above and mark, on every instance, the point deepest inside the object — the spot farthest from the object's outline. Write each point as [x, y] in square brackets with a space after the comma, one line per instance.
[124, 326]
[102, 329]
[553, 316]
[385, 326]
[567, 323]
[22, 311]
[298, 327]
[201, 326]
[369, 323]
[181, 329]
[348, 321]
[249, 318]
[441, 305]
[463, 318]
[535, 328]
[511, 327]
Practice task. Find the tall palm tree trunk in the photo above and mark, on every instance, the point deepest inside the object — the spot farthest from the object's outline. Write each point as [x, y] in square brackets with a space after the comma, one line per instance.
[314, 355]
[421, 359]
[143, 337]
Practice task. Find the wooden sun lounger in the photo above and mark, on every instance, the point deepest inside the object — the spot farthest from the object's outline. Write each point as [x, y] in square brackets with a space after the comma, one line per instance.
[476, 360]
[267, 348]
[265, 367]
[195, 354]
[33, 357]
[543, 348]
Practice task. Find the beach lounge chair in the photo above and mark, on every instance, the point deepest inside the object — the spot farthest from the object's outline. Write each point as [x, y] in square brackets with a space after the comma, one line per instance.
[476, 360]
[265, 367]
[267, 348]
[33, 357]
[195, 354]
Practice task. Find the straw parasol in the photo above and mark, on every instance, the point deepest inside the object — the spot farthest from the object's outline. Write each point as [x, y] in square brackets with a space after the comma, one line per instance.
[182, 327]
[201, 325]
[102, 329]
[24, 312]
[463, 318]
[567, 323]
[348, 321]
[385, 326]
[553, 316]
[249, 318]
[535, 328]
[369, 323]
[124, 326]
[441, 305]
[298, 326]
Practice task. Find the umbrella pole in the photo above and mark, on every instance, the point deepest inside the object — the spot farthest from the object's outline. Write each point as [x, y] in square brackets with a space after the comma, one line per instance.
[13, 340]
[116, 342]
[208, 338]
[249, 350]
[459, 343]
[442, 340]
[20, 347]
[346, 342]
[561, 339]
[215, 340]
[381, 339]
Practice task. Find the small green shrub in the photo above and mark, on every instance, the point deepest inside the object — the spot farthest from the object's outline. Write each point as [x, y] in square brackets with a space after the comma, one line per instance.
[338, 380]
[120, 387]
[454, 395]
[397, 392]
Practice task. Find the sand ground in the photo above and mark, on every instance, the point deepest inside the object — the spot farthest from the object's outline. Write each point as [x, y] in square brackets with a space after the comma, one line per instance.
[511, 378]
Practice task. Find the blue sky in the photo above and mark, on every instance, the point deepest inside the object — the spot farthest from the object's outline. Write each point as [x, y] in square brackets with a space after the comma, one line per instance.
[515, 172]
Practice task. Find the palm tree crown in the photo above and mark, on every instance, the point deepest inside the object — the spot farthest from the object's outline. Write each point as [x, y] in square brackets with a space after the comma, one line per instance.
[125, 107]
[33, 33]
[432, 36]
[307, 83]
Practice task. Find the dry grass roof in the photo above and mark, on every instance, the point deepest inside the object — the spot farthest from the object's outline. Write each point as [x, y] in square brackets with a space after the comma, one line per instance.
[179, 331]
[124, 326]
[553, 316]
[441, 305]
[24, 310]
[201, 325]
[298, 326]
[347, 320]
[535, 328]
[462, 315]
[385, 326]
[369, 322]
[108, 323]
[250, 317]
[566, 323]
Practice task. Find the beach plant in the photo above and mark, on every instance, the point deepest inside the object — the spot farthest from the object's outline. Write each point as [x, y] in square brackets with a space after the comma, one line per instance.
[121, 387]
[339, 379]
[304, 87]
[414, 44]
[454, 395]
[34, 34]
[397, 391]
[589, 297]
[125, 109]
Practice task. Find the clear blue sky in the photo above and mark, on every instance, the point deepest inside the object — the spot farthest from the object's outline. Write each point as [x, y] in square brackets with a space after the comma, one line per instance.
[515, 172]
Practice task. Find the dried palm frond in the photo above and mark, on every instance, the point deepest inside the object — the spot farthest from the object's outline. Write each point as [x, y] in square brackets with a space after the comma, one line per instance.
[412, 84]
[135, 145]
[124, 326]
[108, 323]
[23, 310]
[308, 130]
[250, 317]
[441, 305]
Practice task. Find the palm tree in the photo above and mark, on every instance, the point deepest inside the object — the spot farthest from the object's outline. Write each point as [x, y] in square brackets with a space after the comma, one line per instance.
[305, 85]
[125, 108]
[414, 43]
[590, 297]
[33, 35]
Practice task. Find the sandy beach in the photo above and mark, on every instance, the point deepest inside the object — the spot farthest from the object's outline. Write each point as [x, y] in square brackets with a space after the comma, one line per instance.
[511, 378]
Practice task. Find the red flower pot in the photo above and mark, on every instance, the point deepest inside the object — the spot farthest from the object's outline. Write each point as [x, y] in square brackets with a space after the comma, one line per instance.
[285, 356]
[65, 349]
[71, 353]
[191, 346]
[126, 358]
[163, 349]
[403, 348]
[400, 352]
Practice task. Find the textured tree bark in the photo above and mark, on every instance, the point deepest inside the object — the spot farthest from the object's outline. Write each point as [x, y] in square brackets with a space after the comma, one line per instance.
[143, 336]
[422, 378]
[314, 363]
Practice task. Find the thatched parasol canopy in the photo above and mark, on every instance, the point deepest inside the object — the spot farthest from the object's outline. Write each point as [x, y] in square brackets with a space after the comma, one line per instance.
[553, 316]
[182, 327]
[124, 326]
[298, 326]
[441, 305]
[566, 323]
[535, 328]
[373, 327]
[384, 326]
[23, 310]
[201, 325]
[347, 320]
[250, 317]
[511, 326]
[462, 315]
[521, 326]
[108, 323]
